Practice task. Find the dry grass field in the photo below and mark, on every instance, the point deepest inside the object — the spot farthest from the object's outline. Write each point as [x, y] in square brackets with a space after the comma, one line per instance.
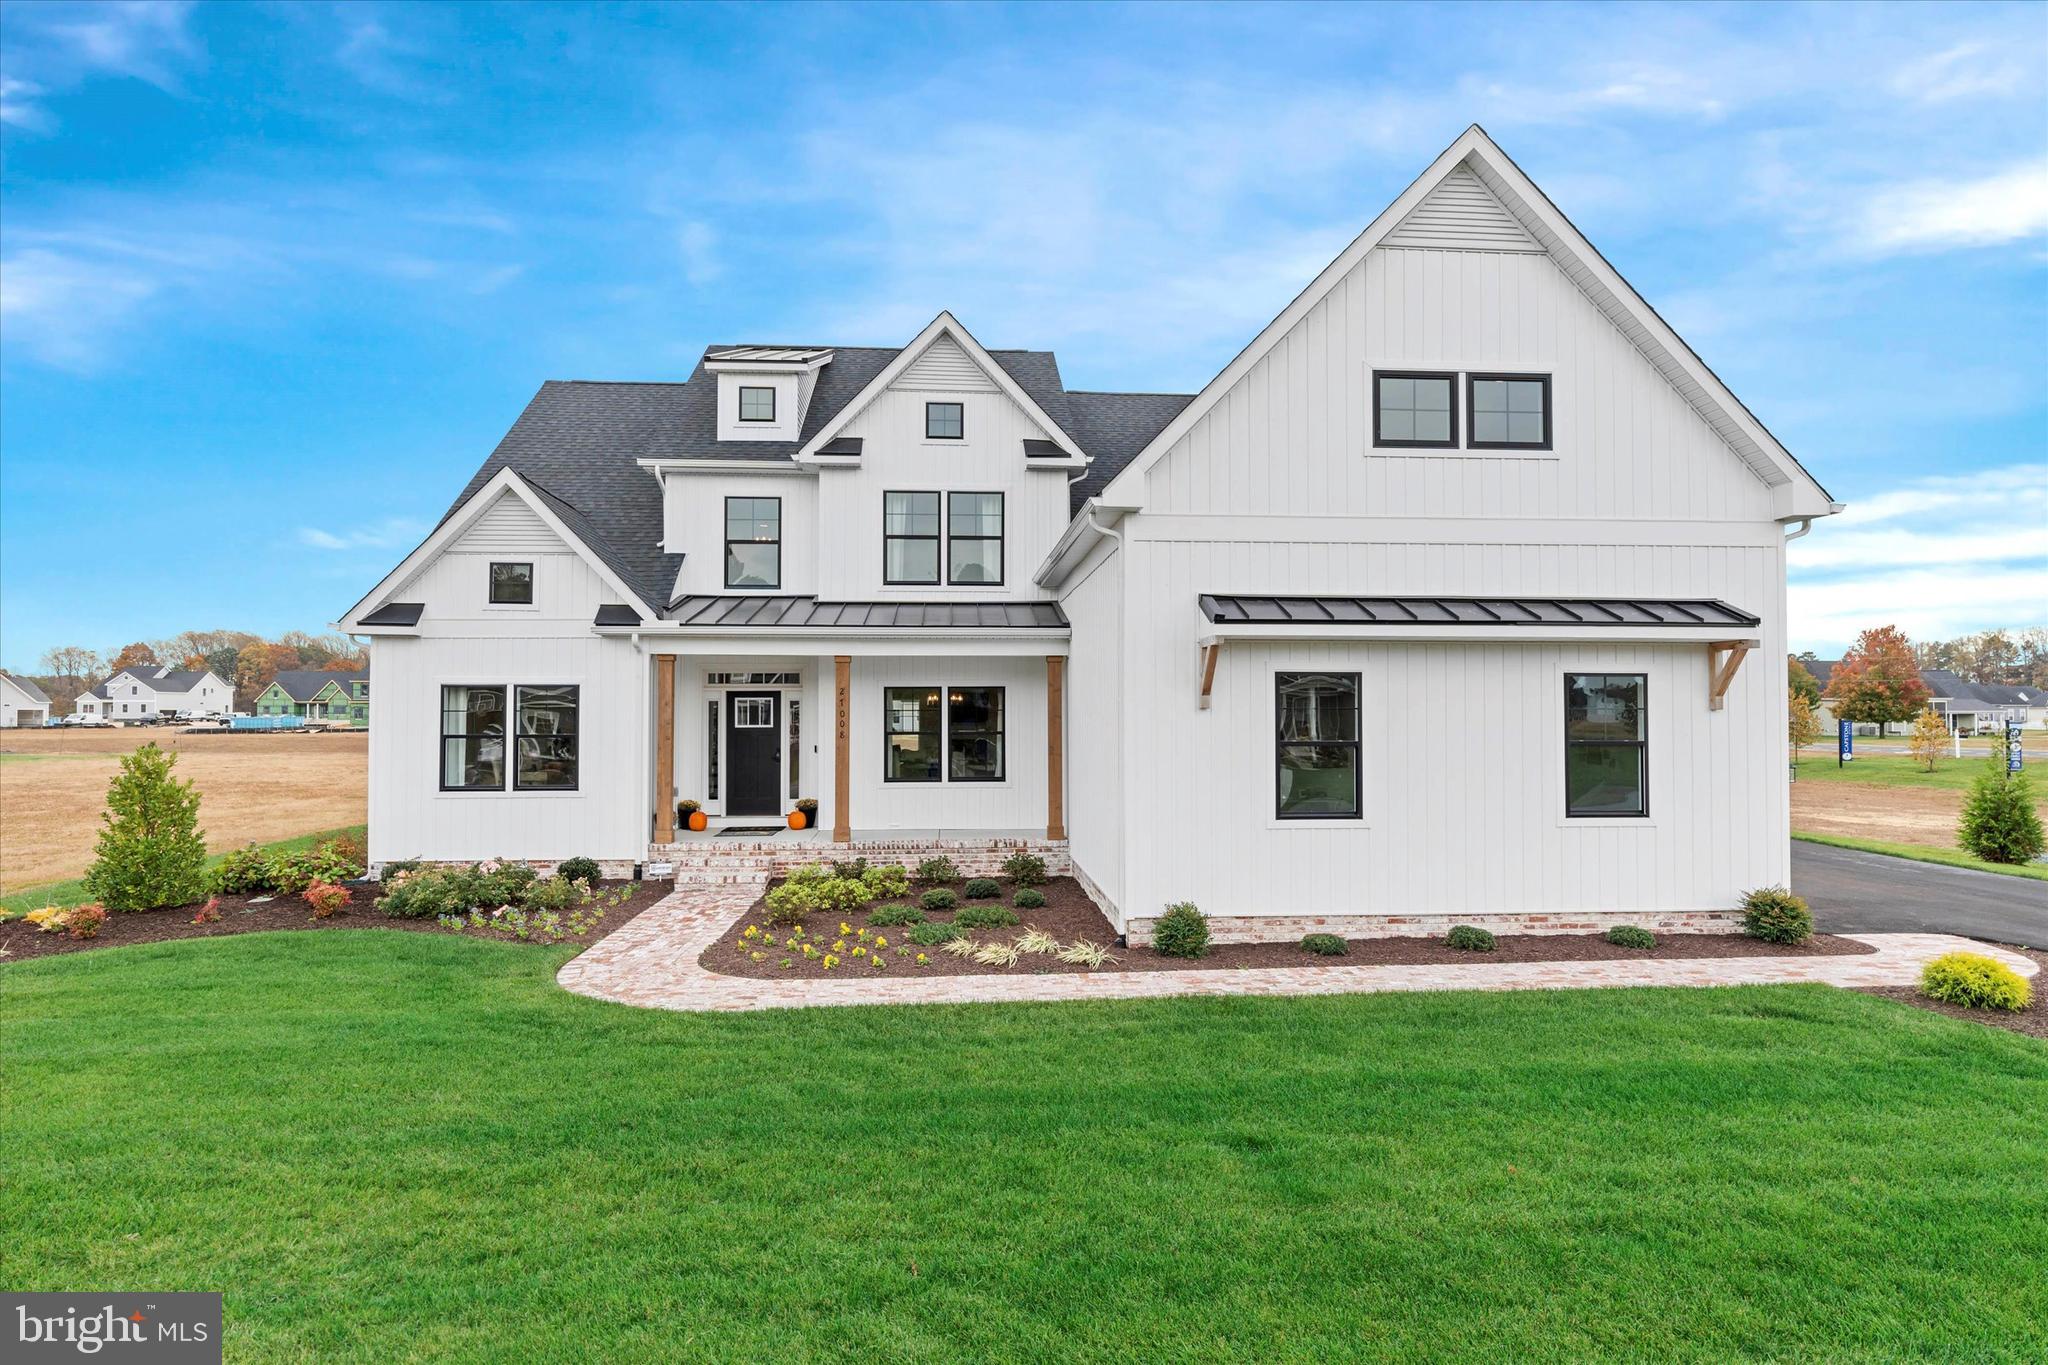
[1888, 813]
[260, 787]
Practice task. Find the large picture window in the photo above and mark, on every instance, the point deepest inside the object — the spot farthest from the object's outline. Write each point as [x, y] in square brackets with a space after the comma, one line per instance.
[1606, 744]
[472, 739]
[1509, 411]
[974, 538]
[1414, 409]
[910, 537]
[753, 542]
[1317, 755]
[547, 759]
[944, 734]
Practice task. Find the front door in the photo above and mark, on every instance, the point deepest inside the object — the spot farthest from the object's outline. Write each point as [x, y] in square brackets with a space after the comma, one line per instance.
[750, 730]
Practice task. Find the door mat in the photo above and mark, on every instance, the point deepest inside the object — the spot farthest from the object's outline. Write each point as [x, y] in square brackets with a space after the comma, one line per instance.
[748, 831]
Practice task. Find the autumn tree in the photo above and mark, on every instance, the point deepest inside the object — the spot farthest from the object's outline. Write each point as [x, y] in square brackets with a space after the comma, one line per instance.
[1802, 723]
[71, 669]
[1878, 680]
[257, 666]
[132, 656]
[1930, 737]
[1802, 681]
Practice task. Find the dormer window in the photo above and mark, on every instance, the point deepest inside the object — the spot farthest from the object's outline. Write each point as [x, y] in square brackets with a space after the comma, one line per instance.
[757, 403]
[945, 421]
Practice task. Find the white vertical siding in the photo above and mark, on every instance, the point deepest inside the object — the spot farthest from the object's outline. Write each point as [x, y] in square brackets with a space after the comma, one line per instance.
[1017, 802]
[1095, 730]
[694, 517]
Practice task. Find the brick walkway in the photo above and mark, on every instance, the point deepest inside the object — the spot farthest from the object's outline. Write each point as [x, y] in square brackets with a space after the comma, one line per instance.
[653, 962]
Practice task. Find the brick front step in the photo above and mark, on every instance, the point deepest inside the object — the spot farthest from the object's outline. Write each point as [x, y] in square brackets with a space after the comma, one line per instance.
[722, 858]
[1290, 928]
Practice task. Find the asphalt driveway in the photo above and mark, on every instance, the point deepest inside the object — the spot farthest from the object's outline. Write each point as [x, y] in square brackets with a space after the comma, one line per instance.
[1854, 893]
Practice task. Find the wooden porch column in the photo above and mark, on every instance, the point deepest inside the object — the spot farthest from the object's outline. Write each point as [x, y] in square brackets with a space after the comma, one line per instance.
[1055, 746]
[842, 751]
[665, 748]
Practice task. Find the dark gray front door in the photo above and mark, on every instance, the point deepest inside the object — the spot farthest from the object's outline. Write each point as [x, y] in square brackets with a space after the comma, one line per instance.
[750, 730]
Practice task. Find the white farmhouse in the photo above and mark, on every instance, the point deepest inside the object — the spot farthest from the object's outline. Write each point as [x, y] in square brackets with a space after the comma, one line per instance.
[22, 704]
[150, 690]
[1174, 639]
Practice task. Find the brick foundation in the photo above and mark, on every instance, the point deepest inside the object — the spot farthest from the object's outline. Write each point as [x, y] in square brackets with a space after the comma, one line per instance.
[709, 861]
[611, 869]
[1289, 928]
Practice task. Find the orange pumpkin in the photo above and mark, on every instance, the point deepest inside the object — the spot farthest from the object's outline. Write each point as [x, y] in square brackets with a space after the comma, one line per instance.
[697, 820]
[796, 819]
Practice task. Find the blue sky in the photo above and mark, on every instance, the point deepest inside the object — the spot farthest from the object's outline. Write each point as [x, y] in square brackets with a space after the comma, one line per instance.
[275, 277]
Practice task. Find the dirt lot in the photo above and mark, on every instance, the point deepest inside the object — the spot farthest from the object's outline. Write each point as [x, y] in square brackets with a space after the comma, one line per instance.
[1893, 814]
[53, 785]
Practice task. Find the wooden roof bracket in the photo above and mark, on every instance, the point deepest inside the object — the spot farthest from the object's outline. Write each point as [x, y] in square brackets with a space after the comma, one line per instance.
[1207, 665]
[1720, 673]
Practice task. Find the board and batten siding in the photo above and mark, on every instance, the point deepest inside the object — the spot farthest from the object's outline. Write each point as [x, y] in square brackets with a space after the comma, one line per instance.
[1095, 729]
[1016, 803]
[694, 523]
[1294, 434]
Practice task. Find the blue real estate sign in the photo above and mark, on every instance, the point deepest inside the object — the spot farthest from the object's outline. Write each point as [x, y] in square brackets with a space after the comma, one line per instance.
[2013, 754]
[1845, 742]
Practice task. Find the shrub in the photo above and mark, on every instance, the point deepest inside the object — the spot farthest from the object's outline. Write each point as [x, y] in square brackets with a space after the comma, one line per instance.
[1025, 869]
[857, 868]
[242, 872]
[981, 889]
[151, 851]
[48, 920]
[1183, 931]
[791, 901]
[579, 870]
[986, 917]
[1470, 938]
[352, 849]
[1029, 899]
[1775, 915]
[933, 871]
[1974, 981]
[208, 913]
[84, 921]
[327, 899]
[1325, 945]
[333, 861]
[428, 892]
[557, 893]
[888, 916]
[931, 935]
[814, 893]
[1631, 936]
[938, 898]
[887, 881]
[396, 866]
[1999, 824]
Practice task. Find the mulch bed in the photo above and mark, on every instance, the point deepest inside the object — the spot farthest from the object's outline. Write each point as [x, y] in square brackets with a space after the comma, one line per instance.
[2032, 1021]
[1069, 914]
[248, 915]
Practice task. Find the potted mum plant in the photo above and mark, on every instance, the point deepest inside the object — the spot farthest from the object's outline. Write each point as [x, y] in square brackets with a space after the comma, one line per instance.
[691, 814]
[805, 815]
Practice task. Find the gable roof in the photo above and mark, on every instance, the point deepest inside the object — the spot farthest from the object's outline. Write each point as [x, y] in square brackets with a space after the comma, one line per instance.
[1476, 154]
[27, 688]
[304, 684]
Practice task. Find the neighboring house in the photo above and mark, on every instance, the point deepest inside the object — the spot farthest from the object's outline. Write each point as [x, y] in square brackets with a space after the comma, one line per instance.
[938, 590]
[1969, 708]
[150, 689]
[318, 695]
[22, 703]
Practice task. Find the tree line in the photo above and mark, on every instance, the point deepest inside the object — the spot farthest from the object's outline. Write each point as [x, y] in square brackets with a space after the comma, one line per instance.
[250, 662]
[1992, 656]
[1878, 679]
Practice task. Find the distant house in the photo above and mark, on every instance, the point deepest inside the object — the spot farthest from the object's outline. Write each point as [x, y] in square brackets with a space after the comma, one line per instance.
[22, 703]
[1969, 708]
[147, 690]
[318, 695]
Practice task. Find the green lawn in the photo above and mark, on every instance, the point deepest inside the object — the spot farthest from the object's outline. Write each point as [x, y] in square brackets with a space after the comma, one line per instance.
[382, 1146]
[18, 903]
[1895, 770]
[1926, 853]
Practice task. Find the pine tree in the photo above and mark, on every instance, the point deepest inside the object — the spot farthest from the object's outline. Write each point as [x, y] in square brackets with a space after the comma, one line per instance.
[1929, 738]
[152, 851]
[1999, 824]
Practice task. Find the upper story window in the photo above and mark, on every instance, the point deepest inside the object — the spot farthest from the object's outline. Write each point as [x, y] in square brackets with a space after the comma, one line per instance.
[1413, 408]
[1606, 744]
[945, 421]
[511, 584]
[757, 404]
[910, 537]
[753, 542]
[1509, 411]
[974, 538]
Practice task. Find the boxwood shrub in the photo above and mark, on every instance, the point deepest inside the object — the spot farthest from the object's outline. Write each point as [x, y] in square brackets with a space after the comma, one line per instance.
[578, 870]
[1470, 938]
[938, 898]
[1025, 869]
[1183, 931]
[1631, 936]
[1325, 945]
[1776, 915]
[1028, 899]
[982, 889]
[986, 917]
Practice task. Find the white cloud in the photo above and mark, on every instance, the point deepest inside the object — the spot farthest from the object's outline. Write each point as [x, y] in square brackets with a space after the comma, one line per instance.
[698, 243]
[143, 39]
[1935, 215]
[1928, 604]
[1967, 70]
[389, 534]
[61, 309]
[18, 106]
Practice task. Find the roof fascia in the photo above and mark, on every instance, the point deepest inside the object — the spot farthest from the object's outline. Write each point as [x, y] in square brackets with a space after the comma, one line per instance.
[945, 324]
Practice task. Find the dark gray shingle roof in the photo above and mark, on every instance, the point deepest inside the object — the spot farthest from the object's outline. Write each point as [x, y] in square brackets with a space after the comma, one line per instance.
[35, 693]
[1113, 428]
[304, 684]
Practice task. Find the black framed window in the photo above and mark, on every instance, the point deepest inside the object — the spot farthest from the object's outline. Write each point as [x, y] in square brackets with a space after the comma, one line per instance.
[753, 542]
[472, 738]
[974, 734]
[1606, 744]
[945, 421]
[1508, 411]
[1316, 758]
[910, 734]
[910, 537]
[546, 732]
[511, 584]
[974, 538]
[757, 404]
[1414, 408]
